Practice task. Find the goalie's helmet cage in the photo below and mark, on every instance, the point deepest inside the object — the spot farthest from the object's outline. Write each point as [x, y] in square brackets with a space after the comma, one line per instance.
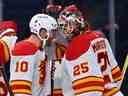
[71, 21]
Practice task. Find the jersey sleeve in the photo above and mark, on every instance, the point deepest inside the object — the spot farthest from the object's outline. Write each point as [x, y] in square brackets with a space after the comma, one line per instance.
[112, 87]
[109, 67]
[116, 72]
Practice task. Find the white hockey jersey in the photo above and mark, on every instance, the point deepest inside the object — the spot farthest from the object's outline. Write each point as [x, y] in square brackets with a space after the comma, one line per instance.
[81, 66]
[91, 66]
[28, 70]
[55, 53]
[109, 67]
[6, 43]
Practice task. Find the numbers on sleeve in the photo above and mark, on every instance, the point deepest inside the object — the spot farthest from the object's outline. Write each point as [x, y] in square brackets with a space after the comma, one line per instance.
[103, 60]
[21, 66]
[80, 68]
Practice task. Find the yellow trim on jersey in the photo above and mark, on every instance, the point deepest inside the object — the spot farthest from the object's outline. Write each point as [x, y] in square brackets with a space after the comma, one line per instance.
[5, 51]
[21, 82]
[22, 91]
[89, 89]
[60, 49]
[111, 92]
[116, 74]
[118, 79]
[87, 79]
[88, 84]
[57, 91]
[115, 70]
[21, 86]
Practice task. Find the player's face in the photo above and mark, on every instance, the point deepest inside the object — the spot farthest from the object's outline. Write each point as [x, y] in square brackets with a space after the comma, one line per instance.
[43, 34]
[69, 28]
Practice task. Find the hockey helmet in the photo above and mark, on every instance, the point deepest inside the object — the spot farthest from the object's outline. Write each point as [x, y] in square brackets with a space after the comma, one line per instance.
[8, 28]
[71, 21]
[43, 23]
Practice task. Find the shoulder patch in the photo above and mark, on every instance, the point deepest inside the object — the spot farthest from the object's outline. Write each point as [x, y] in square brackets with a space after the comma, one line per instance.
[24, 48]
[80, 44]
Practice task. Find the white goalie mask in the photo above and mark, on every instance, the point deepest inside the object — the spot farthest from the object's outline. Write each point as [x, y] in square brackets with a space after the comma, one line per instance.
[43, 26]
[71, 22]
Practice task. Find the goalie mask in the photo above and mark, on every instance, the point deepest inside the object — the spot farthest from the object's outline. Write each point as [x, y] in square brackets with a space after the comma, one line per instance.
[43, 26]
[71, 21]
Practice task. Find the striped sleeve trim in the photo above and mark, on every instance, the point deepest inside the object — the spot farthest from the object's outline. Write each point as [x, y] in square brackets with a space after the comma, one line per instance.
[116, 74]
[21, 87]
[57, 92]
[111, 92]
[107, 79]
[42, 73]
[88, 84]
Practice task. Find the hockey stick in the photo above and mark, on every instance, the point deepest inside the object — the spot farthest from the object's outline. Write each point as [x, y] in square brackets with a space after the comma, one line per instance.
[50, 2]
[52, 69]
[124, 69]
[2, 69]
[52, 77]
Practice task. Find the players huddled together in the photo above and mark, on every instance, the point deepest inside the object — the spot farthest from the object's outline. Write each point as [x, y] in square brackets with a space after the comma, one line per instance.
[62, 56]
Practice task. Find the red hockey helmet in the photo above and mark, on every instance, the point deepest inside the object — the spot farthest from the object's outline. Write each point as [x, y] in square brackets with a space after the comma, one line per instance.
[8, 28]
[71, 21]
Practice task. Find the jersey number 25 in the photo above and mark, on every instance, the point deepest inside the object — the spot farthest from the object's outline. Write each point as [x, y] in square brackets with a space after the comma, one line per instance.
[80, 68]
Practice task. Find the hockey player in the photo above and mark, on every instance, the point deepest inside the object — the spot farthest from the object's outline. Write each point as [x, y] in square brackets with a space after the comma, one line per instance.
[88, 60]
[8, 37]
[29, 65]
[55, 51]
[8, 30]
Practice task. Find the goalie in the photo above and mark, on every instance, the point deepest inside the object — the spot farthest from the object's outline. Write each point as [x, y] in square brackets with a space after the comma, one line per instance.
[89, 62]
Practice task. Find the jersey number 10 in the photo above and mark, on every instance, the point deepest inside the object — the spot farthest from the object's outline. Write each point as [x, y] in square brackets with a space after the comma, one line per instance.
[21, 66]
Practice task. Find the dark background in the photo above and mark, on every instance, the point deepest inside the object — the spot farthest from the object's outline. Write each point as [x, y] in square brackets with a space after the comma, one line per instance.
[96, 11]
